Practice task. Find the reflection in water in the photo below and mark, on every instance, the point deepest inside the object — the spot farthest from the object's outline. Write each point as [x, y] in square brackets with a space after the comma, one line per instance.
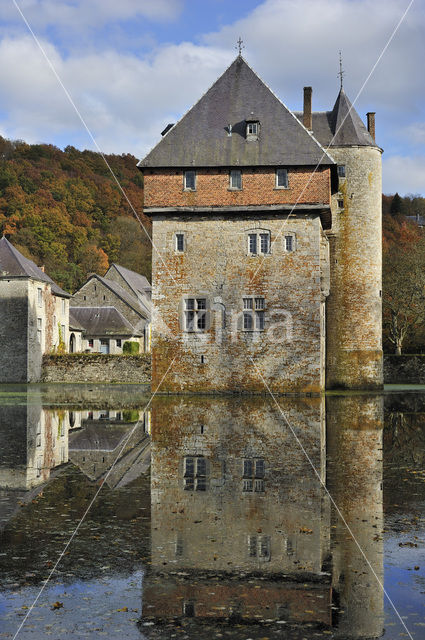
[242, 528]
[242, 536]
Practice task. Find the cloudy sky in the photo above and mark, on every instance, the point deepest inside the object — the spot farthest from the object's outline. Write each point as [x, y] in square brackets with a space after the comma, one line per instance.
[132, 66]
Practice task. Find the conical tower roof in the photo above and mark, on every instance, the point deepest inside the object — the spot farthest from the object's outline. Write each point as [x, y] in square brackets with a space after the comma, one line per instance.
[201, 138]
[347, 126]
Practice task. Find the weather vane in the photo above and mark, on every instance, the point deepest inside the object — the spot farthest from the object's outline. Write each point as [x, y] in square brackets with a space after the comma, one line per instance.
[240, 45]
[341, 70]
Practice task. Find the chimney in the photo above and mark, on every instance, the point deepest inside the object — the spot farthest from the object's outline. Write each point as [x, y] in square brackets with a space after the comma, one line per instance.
[42, 268]
[371, 123]
[307, 118]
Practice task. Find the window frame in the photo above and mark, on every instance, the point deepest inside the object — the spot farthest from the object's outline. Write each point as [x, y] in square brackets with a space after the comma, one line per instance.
[233, 173]
[286, 236]
[192, 306]
[277, 185]
[253, 475]
[259, 234]
[176, 242]
[254, 313]
[186, 173]
[39, 296]
[341, 170]
[195, 473]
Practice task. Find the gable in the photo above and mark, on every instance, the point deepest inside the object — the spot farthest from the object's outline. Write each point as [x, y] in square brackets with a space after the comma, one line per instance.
[201, 138]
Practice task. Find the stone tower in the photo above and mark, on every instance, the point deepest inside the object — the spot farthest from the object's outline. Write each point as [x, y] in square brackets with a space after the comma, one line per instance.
[353, 308]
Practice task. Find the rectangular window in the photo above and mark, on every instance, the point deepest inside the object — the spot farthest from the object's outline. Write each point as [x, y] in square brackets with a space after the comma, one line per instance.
[63, 331]
[289, 243]
[39, 329]
[63, 307]
[190, 180]
[264, 242]
[281, 178]
[40, 297]
[195, 314]
[259, 547]
[236, 179]
[252, 243]
[253, 475]
[195, 474]
[91, 343]
[252, 128]
[341, 171]
[341, 204]
[119, 342]
[179, 242]
[254, 314]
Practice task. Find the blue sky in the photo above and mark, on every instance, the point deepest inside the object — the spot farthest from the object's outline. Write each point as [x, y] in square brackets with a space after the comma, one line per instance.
[132, 66]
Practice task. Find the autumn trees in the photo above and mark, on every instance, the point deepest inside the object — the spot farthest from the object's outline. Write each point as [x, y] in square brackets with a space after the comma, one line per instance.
[403, 275]
[63, 209]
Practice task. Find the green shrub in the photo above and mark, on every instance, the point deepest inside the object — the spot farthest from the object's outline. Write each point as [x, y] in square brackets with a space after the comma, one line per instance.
[130, 348]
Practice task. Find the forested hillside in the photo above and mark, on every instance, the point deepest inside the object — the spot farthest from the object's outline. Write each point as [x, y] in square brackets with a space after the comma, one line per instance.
[64, 210]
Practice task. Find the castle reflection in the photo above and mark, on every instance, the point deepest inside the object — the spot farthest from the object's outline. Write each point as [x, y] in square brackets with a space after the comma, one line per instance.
[243, 528]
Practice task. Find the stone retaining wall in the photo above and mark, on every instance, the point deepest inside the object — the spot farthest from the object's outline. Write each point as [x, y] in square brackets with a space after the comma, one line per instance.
[97, 368]
[404, 369]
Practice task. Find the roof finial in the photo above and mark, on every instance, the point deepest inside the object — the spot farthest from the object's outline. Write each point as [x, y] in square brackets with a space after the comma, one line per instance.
[341, 70]
[240, 45]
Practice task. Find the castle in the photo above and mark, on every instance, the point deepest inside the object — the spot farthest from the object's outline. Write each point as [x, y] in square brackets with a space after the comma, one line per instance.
[266, 230]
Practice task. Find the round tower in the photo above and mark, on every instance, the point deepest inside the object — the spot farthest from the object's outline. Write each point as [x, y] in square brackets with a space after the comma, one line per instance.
[353, 314]
[354, 477]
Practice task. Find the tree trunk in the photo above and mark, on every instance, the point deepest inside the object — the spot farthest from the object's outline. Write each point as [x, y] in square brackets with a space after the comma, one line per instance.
[398, 348]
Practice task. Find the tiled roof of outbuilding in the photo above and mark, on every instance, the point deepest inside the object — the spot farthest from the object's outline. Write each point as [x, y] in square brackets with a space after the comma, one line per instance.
[13, 263]
[201, 138]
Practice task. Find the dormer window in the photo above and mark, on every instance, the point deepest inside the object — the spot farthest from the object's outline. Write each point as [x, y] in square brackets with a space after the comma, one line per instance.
[252, 128]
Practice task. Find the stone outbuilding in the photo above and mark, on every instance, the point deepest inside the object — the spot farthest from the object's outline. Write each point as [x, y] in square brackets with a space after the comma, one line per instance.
[34, 316]
[125, 291]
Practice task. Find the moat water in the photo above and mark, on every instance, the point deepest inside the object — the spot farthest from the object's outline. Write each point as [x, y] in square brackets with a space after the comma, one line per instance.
[211, 517]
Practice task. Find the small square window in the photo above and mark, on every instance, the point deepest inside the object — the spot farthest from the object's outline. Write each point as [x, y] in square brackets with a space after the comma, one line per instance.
[252, 128]
[341, 171]
[236, 179]
[179, 242]
[281, 178]
[190, 180]
[289, 243]
[340, 203]
[247, 303]
[118, 342]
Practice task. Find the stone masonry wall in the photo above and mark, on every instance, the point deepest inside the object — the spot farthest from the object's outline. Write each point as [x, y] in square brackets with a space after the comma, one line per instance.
[216, 266]
[97, 368]
[164, 188]
[13, 330]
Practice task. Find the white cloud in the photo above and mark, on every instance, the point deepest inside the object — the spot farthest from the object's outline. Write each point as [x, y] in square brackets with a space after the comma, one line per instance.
[127, 99]
[404, 174]
[88, 13]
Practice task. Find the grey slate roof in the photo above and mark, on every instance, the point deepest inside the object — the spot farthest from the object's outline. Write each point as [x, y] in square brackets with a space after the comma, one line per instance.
[343, 122]
[200, 138]
[13, 263]
[136, 282]
[131, 300]
[74, 325]
[102, 321]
